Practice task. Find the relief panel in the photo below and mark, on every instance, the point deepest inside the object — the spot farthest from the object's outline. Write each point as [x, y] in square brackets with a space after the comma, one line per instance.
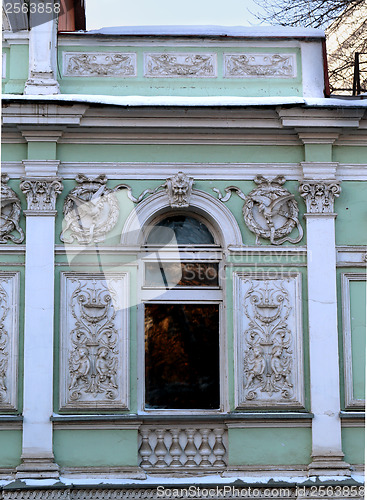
[114, 64]
[260, 65]
[354, 338]
[9, 334]
[94, 341]
[179, 65]
[268, 340]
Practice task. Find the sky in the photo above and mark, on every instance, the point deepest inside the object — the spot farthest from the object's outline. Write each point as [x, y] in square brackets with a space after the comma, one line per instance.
[106, 13]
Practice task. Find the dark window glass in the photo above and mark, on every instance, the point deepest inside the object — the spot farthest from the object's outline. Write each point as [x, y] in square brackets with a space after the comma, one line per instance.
[173, 274]
[187, 230]
[182, 356]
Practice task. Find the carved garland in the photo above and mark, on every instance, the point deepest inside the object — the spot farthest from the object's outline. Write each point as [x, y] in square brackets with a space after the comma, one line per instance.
[269, 211]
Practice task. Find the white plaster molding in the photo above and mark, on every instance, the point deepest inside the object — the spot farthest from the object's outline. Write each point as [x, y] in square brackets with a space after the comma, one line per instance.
[310, 137]
[350, 401]
[311, 117]
[313, 83]
[94, 347]
[319, 170]
[268, 340]
[40, 168]
[41, 193]
[9, 339]
[34, 135]
[260, 65]
[208, 206]
[3, 65]
[180, 65]
[47, 113]
[99, 64]
[354, 256]
[319, 196]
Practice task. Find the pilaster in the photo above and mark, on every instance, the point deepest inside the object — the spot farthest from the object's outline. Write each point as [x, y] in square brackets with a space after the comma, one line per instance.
[42, 58]
[37, 453]
[319, 195]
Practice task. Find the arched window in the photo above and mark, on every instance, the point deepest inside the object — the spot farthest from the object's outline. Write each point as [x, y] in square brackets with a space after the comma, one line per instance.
[182, 303]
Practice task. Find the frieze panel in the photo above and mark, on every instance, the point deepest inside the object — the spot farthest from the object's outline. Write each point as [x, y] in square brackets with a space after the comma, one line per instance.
[94, 341]
[260, 65]
[269, 342]
[10, 214]
[114, 64]
[9, 300]
[179, 65]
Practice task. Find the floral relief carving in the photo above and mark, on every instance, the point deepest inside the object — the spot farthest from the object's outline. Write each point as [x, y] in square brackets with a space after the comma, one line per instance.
[319, 196]
[177, 65]
[9, 287]
[260, 65]
[99, 64]
[41, 192]
[10, 213]
[95, 360]
[269, 365]
[270, 211]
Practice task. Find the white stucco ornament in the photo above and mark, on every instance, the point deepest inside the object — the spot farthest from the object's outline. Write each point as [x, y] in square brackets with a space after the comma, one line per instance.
[10, 213]
[270, 211]
[90, 211]
[179, 190]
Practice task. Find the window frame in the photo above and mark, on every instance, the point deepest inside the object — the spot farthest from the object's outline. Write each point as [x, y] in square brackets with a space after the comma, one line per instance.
[183, 295]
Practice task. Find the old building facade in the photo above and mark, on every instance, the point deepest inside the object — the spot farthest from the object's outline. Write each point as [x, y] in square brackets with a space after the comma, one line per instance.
[183, 264]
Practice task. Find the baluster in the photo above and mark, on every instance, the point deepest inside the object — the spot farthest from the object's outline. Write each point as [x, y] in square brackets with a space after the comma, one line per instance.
[205, 449]
[190, 448]
[160, 449]
[219, 449]
[175, 449]
[145, 449]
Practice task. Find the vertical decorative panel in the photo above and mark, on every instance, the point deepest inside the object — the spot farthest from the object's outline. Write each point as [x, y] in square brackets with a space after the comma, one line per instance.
[354, 338]
[268, 340]
[9, 334]
[94, 341]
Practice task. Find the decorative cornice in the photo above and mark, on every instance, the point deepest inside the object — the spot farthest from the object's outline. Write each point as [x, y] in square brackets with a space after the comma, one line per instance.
[319, 196]
[41, 192]
[40, 168]
[319, 170]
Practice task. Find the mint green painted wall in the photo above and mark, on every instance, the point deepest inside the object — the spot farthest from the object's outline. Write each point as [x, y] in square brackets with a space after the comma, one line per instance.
[95, 447]
[276, 446]
[17, 69]
[318, 152]
[219, 85]
[350, 154]
[358, 327]
[13, 152]
[351, 207]
[41, 150]
[353, 445]
[180, 153]
[77, 266]
[10, 447]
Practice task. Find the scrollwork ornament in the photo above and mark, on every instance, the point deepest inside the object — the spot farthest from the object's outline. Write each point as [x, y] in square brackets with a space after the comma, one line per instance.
[269, 211]
[41, 192]
[319, 196]
[10, 213]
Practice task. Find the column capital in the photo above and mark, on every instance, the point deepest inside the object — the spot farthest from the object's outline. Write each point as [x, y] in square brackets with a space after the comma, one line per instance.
[41, 193]
[319, 170]
[319, 195]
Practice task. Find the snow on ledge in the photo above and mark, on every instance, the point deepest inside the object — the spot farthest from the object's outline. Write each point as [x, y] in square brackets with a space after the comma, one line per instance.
[211, 30]
[176, 101]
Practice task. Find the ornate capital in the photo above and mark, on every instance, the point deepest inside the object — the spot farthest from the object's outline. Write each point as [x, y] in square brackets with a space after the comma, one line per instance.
[179, 190]
[319, 195]
[41, 192]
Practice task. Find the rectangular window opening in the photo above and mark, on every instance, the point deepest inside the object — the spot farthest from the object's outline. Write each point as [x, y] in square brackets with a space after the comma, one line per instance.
[182, 356]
